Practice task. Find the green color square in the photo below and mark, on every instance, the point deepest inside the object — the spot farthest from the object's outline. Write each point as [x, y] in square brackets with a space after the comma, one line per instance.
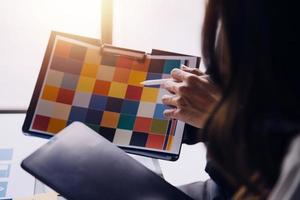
[171, 64]
[159, 126]
[126, 122]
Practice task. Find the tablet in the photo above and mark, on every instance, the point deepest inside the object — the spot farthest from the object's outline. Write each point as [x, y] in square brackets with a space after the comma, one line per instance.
[79, 82]
[95, 169]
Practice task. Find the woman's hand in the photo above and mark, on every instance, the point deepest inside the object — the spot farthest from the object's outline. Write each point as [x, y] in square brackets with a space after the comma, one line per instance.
[193, 96]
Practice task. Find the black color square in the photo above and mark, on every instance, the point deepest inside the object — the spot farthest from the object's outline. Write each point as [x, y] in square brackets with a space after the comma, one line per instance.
[93, 116]
[114, 104]
[108, 133]
[156, 66]
[77, 52]
[139, 139]
[108, 60]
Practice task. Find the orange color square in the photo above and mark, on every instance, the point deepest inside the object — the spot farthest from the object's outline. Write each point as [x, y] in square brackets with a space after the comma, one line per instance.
[50, 93]
[170, 142]
[62, 49]
[89, 70]
[110, 119]
[136, 77]
[149, 94]
[124, 62]
[117, 90]
[155, 141]
[121, 75]
[101, 87]
[141, 65]
[142, 124]
[56, 125]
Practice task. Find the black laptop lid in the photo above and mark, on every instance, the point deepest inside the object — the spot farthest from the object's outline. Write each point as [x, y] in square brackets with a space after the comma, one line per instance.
[80, 164]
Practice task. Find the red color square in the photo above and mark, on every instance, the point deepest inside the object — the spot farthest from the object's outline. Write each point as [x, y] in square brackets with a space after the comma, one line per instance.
[134, 92]
[155, 141]
[41, 123]
[124, 62]
[101, 87]
[65, 96]
[142, 124]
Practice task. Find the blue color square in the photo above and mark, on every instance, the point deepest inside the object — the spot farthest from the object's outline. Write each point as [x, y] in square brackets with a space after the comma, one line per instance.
[151, 76]
[4, 170]
[171, 64]
[6, 154]
[78, 114]
[98, 102]
[159, 111]
[130, 107]
[114, 104]
[93, 116]
[3, 189]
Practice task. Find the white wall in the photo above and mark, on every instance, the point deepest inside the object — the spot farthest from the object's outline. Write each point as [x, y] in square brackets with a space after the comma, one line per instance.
[25, 27]
[173, 25]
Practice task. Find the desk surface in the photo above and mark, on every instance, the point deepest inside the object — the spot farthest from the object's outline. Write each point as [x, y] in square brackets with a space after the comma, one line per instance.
[188, 168]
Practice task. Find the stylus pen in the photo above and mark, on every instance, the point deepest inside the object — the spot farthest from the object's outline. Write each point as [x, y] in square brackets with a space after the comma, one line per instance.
[160, 81]
[155, 81]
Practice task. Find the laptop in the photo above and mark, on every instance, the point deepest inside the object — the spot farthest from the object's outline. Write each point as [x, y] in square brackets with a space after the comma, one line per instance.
[78, 163]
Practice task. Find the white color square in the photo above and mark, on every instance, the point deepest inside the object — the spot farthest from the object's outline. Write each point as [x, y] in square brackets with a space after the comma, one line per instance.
[161, 93]
[122, 137]
[82, 99]
[146, 109]
[54, 78]
[61, 111]
[45, 108]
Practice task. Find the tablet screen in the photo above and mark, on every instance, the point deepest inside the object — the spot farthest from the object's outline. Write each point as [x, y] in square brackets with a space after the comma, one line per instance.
[78, 83]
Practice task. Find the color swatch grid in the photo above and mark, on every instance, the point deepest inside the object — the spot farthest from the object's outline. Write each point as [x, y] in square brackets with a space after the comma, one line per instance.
[6, 155]
[105, 93]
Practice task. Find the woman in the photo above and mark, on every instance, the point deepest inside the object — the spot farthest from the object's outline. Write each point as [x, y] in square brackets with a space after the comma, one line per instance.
[248, 106]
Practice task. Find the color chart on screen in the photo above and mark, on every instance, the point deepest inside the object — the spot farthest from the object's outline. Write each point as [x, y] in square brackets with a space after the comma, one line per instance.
[104, 92]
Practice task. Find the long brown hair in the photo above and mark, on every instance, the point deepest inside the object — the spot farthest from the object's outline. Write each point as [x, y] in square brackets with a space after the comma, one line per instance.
[249, 49]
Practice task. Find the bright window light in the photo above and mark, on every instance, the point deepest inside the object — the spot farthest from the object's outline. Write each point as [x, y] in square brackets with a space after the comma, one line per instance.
[25, 30]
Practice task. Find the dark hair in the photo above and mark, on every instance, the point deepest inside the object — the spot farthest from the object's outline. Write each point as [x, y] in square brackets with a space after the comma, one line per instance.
[249, 49]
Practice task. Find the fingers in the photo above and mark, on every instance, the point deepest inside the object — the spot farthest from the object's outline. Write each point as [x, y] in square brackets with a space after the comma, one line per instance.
[180, 75]
[191, 70]
[171, 113]
[171, 86]
[175, 101]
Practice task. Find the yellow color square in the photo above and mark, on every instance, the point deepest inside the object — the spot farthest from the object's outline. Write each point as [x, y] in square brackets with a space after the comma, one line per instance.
[105, 73]
[85, 84]
[149, 94]
[92, 56]
[50, 93]
[89, 70]
[117, 90]
[110, 119]
[56, 125]
[136, 77]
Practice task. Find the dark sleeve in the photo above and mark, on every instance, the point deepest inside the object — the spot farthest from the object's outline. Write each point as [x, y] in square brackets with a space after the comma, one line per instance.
[219, 179]
[192, 135]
